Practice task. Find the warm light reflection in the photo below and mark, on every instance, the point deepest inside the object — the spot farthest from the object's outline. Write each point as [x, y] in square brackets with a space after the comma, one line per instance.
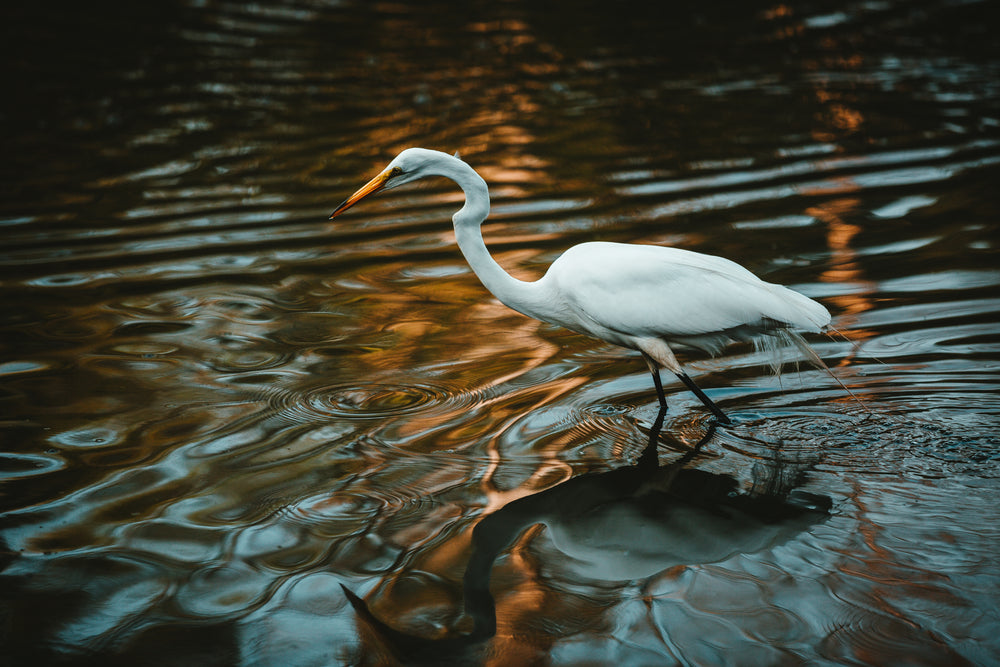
[844, 266]
[844, 118]
[778, 11]
[526, 602]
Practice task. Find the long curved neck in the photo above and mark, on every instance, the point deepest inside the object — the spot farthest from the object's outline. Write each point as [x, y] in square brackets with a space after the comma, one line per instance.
[517, 294]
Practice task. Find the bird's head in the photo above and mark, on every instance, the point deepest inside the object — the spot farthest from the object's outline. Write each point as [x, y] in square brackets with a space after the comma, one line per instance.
[408, 166]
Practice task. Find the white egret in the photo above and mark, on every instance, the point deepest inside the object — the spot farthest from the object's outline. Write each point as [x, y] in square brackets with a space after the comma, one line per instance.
[653, 299]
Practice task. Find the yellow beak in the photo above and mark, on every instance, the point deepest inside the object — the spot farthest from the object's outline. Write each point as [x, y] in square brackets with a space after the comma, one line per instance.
[368, 188]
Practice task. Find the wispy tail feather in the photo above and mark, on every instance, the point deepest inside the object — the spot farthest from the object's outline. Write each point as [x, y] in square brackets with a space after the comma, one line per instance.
[774, 344]
[778, 340]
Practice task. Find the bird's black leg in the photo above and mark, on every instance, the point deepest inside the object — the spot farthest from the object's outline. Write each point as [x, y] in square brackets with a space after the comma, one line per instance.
[719, 414]
[659, 390]
[654, 370]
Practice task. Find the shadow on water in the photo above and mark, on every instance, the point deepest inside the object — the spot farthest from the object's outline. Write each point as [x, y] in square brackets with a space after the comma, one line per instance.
[625, 524]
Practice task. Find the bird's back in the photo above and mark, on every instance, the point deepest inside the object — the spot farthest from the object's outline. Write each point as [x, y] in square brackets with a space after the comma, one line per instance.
[620, 291]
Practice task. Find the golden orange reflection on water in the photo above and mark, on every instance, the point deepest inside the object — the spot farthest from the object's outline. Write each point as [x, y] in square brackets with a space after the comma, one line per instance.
[844, 267]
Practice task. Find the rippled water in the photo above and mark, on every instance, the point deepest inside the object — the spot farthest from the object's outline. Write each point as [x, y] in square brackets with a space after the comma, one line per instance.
[219, 408]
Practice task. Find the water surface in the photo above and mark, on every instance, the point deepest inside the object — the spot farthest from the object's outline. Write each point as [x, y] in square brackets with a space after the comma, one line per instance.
[219, 408]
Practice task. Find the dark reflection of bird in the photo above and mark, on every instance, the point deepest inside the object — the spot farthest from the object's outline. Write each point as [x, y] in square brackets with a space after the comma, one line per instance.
[623, 525]
[652, 299]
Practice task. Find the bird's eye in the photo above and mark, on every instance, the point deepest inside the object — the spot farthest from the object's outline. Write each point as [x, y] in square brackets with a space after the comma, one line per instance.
[396, 171]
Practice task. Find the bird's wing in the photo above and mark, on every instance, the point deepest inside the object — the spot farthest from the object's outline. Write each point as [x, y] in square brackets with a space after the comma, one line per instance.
[668, 292]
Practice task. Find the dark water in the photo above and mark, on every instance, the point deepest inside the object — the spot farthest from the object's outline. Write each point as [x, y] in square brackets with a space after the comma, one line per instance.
[217, 408]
